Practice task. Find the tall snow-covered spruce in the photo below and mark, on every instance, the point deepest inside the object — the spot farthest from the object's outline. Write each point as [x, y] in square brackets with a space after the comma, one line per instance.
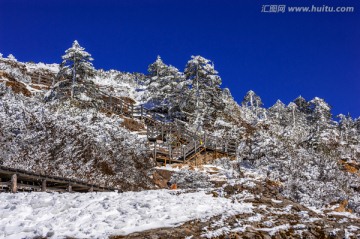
[77, 62]
[166, 88]
[205, 93]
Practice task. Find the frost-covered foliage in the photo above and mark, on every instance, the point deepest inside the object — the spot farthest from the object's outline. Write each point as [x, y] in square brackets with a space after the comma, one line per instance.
[59, 139]
[166, 89]
[118, 84]
[77, 61]
[190, 179]
[315, 158]
[205, 93]
[14, 69]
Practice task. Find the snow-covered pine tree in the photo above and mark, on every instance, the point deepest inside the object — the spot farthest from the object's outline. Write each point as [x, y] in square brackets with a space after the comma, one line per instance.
[11, 57]
[320, 110]
[205, 92]
[166, 87]
[277, 111]
[77, 62]
[252, 100]
[292, 107]
[303, 105]
[252, 106]
[156, 71]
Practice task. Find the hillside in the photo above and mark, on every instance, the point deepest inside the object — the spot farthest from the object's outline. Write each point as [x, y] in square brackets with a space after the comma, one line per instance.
[91, 129]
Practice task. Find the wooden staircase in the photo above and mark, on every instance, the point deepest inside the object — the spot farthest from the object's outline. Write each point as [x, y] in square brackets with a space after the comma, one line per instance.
[173, 142]
[169, 142]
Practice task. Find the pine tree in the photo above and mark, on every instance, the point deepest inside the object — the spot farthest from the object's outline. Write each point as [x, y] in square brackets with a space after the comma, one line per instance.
[278, 115]
[166, 87]
[293, 108]
[302, 105]
[320, 110]
[253, 102]
[78, 62]
[205, 92]
[277, 110]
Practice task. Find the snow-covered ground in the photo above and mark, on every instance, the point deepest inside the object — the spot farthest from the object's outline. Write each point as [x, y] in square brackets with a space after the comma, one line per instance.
[97, 215]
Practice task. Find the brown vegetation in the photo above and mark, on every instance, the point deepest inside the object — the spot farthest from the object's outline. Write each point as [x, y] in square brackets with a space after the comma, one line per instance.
[106, 168]
[132, 124]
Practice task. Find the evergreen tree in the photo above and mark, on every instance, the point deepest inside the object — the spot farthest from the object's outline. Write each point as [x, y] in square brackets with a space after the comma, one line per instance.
[320, 111]
[77, 62]
[205, 92]
[293, 108]
[277, 111]
[302, 105]
[278, 116]
[166, 87]
[252, 100]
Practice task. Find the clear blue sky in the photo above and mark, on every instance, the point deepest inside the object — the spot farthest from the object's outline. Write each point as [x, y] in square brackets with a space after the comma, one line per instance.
[278, 55]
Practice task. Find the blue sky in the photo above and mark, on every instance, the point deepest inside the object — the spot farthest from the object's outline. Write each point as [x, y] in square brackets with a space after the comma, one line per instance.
[278, 55]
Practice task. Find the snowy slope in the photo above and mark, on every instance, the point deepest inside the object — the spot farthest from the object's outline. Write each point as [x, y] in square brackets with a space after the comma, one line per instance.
[98, 215]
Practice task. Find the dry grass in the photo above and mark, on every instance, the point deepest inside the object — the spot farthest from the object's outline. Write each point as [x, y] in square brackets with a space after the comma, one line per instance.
[106, 168]
[132, 125]
[350, 167]
[343, 207]
[128, 100]
[18, 88]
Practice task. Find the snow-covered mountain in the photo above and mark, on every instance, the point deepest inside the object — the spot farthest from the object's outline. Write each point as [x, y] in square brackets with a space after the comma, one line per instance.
[52, 120]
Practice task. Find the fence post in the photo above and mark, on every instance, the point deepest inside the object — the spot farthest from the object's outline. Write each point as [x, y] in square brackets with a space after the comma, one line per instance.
[162, 132]
[215, 150]
[91, 189]
[69, 188]
[170, 153]
[43, 186]
[155, 150]
[110, 102]
[14, 183]
[195, 146]
[183, 151]
[141, 114]
[205, 142]
[132, 111]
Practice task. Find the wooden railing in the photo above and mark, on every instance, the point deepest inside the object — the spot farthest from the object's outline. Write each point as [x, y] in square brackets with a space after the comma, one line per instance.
[16, 179]
[37, 78]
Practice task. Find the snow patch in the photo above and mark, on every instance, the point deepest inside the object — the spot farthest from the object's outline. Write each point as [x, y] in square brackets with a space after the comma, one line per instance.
[98, 215]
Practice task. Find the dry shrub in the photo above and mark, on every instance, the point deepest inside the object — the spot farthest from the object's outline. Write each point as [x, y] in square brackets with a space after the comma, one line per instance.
[128, 100]
[343, 207]
[106, 169]
[18, 88]
[132, 125]
[350, 167]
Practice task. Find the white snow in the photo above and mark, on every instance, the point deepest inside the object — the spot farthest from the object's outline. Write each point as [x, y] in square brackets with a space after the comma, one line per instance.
[276, 201]
[256, 218]
[273, 230]
[344, 214]
[42, 66]
[98, 215]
